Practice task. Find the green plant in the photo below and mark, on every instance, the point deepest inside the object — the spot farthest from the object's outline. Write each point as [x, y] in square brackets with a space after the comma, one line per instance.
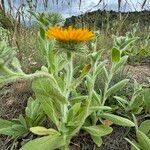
[16, 128]
[44, 20]
[143, 136]
[55, 88]
[140, 100]
[6, 20]
[8, 60]
[133, 44]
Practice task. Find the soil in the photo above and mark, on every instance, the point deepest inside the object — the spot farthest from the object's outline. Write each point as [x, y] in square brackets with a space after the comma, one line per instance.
[139, 72]
[14, 96]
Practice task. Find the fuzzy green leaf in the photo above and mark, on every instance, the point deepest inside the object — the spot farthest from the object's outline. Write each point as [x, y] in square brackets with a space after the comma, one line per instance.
[73, 111]
[100, 68]
[79, 118]
[118, 120]
[98, 130]
[98, 108]
[45, 143]
[43, 131]
[143, 140]
[119, 64]
[48, 87]
[97, 140]
[49, 108]
[16, 64]
[146, 94]
[145, 126]
[118, 86]
[134, 144]
[6, 127]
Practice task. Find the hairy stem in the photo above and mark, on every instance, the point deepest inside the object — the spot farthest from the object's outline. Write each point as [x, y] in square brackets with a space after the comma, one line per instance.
[68, 84]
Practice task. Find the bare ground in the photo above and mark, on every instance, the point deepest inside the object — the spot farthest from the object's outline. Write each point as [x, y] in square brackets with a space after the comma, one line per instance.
[141, 73]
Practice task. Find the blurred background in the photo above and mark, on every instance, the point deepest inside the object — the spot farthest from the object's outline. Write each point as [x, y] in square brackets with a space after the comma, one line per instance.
[19, 8]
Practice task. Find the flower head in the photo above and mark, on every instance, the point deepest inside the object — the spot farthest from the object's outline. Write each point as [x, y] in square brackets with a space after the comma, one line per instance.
[70, 34]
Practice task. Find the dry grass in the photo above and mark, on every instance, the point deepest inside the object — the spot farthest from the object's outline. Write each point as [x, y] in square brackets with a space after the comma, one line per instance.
[24, 39]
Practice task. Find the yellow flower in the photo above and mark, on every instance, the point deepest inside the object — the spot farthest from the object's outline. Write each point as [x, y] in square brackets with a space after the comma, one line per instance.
[70, 34]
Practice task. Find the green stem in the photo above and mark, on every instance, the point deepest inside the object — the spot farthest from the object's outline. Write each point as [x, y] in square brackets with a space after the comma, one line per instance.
[104, 94]
[68, 84]
[70, 73]
[106, 87]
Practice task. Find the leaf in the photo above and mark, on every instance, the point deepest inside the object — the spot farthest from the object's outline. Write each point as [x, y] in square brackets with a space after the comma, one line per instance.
[119, 64]
[79, 118]
[89, 82]
[118, 86]
[117, 120]
[136, 102]
[128, 42]
[86, 69]
[6, 127]
[121, 99]
[42, 45]
[105, 74]
[19, 130]
[146, 93]
[97, 140]
[100, 68]
[44, 69]
[48, 87]
[145, 126]
[45, 143]
[134, 145]
[43, 131]
[6, 52]
[49, 108]
[16, 64]
[123, 102]
[98, 130]
[5, 123]
[143, 140]
[78, 99]
[30, 107]
[42, 33]
[78, 80]
[115, 55]
[98, 108]
[34, 112]
[50, 97]
[97, 97]
[73, 111]
[77, 122]
[12, 128]
[96, 55]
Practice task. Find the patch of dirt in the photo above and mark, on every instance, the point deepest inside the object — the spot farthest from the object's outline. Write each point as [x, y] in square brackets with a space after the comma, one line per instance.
[13, 98]
[141, 73]
[116, 141]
